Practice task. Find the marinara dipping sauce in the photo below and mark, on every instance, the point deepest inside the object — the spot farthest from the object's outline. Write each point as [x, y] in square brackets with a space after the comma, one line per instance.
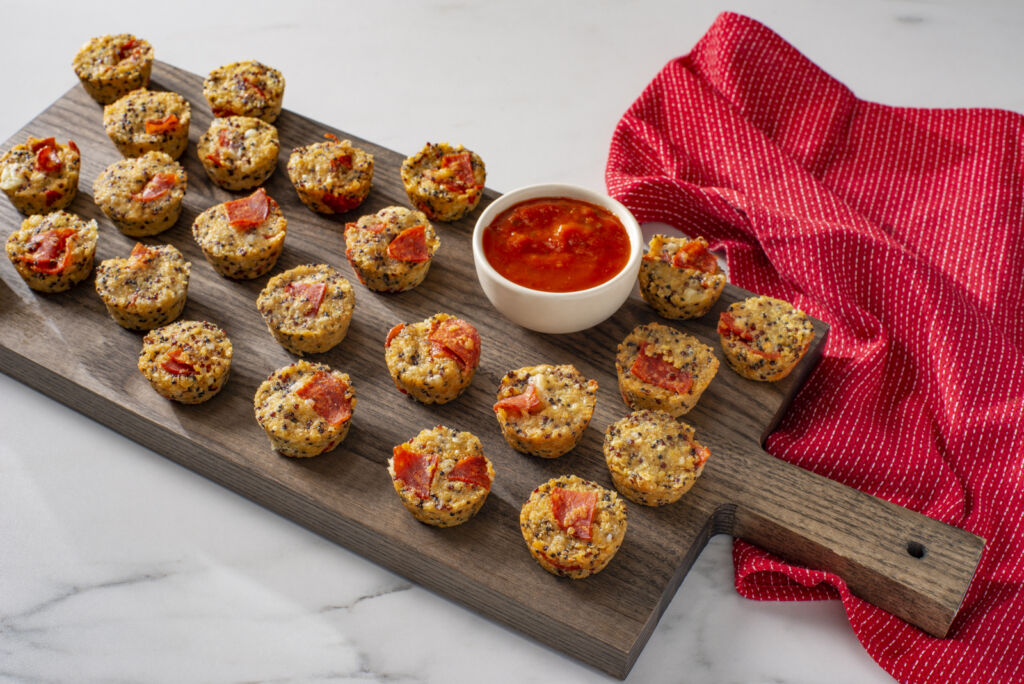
[556, 244]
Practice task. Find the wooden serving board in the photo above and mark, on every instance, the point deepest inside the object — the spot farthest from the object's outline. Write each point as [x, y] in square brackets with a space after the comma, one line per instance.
[68, 347]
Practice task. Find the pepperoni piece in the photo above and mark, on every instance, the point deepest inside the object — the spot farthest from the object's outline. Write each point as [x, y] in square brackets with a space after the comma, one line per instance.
[696, 256]
[124, 51]
[728, 326]
[462, 167]
[36, 144]
[574, 511]
[47, 159]
[313, 293]
[526, 403]
[339, 204]
[415, 471]
[701, 452]
[328, 395]
[52, 196]
[158, 186]
[247, 213]
[141, 255]
[458, 339]
[472, 469]
[174, 364]
[410, 245]
[73, 146]
[50, 253]
[223, 111]
[168, 123]
[341, 161]
[560, 566]
[214, 158]
[392, 333]
[254, 86]
[655, 370]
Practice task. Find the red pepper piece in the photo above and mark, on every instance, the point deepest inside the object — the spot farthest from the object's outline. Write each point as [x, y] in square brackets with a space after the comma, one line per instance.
[141, 255]
[47, 159]
[247, 213]
[50, 253]
[458, 339]
[463, 178]
[168, 123]
[574, 511]
[328, 395]
[313, 293]
[410, 245]
[174, 364]
[415, 471]
[522, 404]
[696, 256]
[654, 370]
[472, 469]
[52, 196]
[158, 186]
[392, 333]
[214, 158]
[339, 204]
[331, 136]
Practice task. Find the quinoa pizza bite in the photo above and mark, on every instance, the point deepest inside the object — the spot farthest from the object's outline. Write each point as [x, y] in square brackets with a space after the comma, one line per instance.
[305, 408]
[652, 457]
[663, 369]
[680, 278]
[331, 177]
[243, 238]
[764, 338]
[110, 66]
[53, 252]
[434, 360]
[391, 251]
[41, 175]
[146, 120]
[146, 290]
[245, 89]
[441, 476]
[544, 410]
[141, 195]
[444, 182]
[307, 308]
[239, 152]
[186, 361]
[573, 527]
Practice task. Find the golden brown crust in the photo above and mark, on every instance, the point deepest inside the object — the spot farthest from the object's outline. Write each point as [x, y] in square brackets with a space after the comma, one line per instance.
[110, 66]
[36, 189]
[79, 247]
[246, 88]
[199, 344]
[767, 337]
[678, 292]
[435, 188]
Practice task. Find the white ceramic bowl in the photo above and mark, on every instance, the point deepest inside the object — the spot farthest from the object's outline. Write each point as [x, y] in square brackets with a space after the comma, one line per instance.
[557, 312]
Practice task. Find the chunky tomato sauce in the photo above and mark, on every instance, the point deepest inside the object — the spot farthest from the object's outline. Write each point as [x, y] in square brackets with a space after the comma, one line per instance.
[556, 244]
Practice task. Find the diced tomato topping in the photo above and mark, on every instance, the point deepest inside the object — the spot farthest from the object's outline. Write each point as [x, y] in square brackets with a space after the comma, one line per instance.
[458, 339]
[472, 469]
[47, 159]
[52, 196]
[462, 166]
[415, 471]
[247, 213]
[696, 256]
[158, 186]
[328, 395]
[410, 245]
[655, 370]
[50, 252]
[36, 144]
[174, 364]
[339, 204]
[392, 333]
[168, 123]
[223, 111]
[313, 293]
[528, 402]
[341, 161]
[574, 511]
[141, 255]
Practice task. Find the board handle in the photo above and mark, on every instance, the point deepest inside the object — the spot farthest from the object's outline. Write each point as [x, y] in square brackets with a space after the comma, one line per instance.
[913, 566]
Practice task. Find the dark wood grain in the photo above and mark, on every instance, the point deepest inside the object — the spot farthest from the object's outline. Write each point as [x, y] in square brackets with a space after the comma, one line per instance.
[66, 346]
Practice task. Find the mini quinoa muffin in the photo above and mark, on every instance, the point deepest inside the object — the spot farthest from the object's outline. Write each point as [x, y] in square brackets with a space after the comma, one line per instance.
[663, 369]
[186, 361]
[305, 408]
[680, 278]
[331, 177]
[245, 89]
[146, 120]
[652, 457]
[41, 175]
[444, 182]
[307, 308]
[573, 527]
[141, 195]
[441, 476]
[543, 410]
[391, 251]
[242, 238]
[110, 66]
[764, 338]
[239, 152]
[146, 290]
[433, 361]
[53, 252]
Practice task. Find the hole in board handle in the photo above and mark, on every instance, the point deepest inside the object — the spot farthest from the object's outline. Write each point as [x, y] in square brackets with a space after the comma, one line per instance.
[916, 549]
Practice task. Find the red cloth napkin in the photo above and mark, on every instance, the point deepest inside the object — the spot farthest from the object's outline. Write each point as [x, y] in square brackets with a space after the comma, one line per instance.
[904, 229]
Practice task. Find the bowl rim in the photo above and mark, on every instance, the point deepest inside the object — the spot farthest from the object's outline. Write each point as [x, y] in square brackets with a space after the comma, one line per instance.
[554, 190]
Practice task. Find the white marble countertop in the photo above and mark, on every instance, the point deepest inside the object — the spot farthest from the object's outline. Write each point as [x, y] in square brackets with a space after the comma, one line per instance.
[118, 565]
